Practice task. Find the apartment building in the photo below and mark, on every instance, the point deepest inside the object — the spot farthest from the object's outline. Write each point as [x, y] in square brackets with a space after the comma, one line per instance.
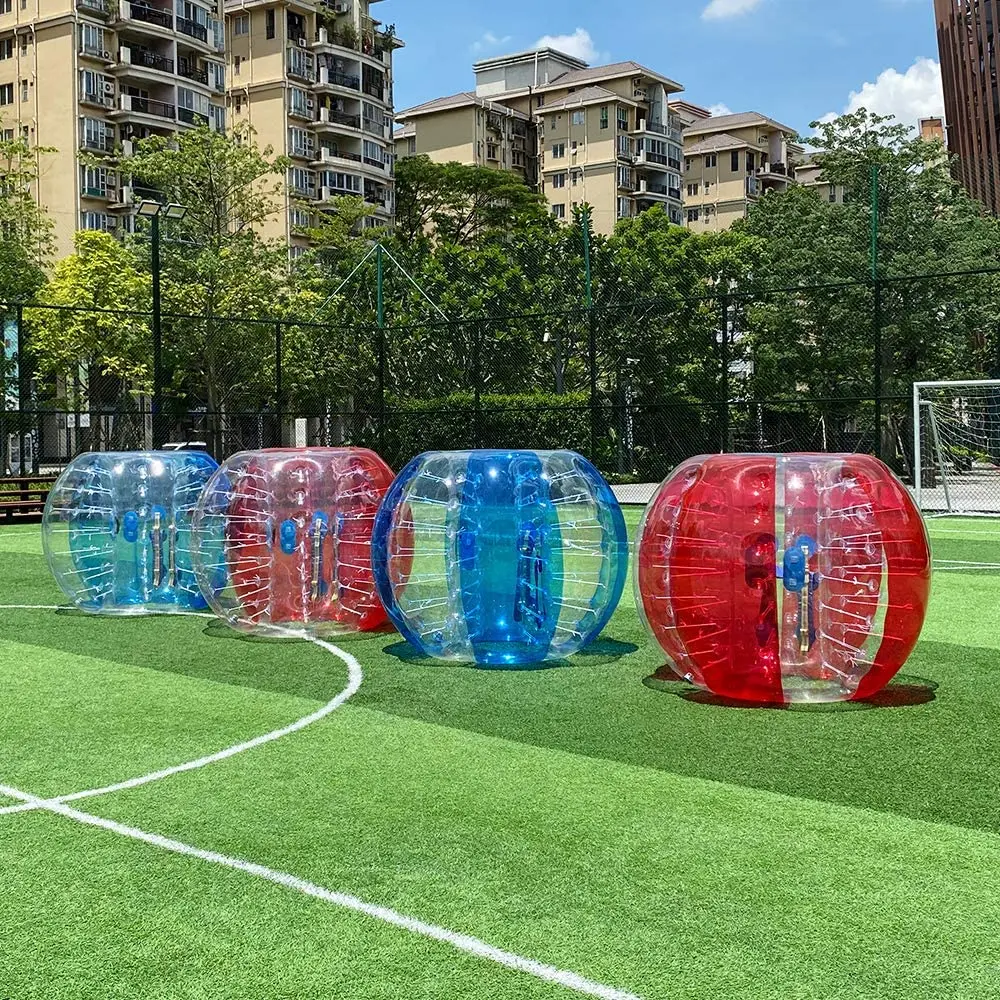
[314, 79]
[729, 162]
[605, 134]
[464, 128]
[96, 75]
[808, 173]
[967, 43]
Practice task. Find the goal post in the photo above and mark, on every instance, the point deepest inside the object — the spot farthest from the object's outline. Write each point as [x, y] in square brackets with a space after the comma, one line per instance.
[956, 446]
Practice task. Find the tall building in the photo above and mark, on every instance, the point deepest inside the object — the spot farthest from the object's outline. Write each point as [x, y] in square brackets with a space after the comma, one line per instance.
[967, 45]
[809, 173]
[95, 75]
[931, 129]
[729, 162]
[605, 134]
[314, 79]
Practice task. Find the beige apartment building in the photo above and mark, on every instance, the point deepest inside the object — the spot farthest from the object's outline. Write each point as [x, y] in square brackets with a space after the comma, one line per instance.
[468, 129]
[729, 162]
[314, 79]
[808, 173]
[605, 134]
[95, 75]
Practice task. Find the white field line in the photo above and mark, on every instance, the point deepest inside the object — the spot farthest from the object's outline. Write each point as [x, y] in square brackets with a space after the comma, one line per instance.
[461, 942]
[354, 679]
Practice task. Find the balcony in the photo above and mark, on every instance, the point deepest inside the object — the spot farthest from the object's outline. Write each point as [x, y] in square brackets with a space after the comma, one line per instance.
[98, 143]
[188, 69]
[96, 8]
[374, 127]
[103, 99]
[753, 187]
[300, 66]
[329, 117]
[375, 90]
[146, 106]
[330, 154]
[192, 29]
[145, 59]
[93, 52]
[190, 117]
[645, 125]
[333, 78]
[141, 13]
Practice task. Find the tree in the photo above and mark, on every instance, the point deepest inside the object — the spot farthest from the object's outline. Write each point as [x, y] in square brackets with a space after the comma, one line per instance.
[460, 204]
[90, 335]
[25, 230]
[217, 271]
[810, 340]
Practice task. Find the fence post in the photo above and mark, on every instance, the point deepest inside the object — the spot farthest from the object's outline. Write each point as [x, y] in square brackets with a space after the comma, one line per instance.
[876, 314]
[279, 388]
[588, 292]
[380, 319]
[157, 422]
[23, 392]
[724, 374]
[477, 374]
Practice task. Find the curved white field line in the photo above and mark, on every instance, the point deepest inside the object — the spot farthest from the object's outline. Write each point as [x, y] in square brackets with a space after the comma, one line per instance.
[461, 942]
[354, 679]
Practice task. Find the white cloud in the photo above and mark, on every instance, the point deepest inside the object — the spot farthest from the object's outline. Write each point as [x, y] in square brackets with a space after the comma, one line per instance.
[579, 44]
[715, 110]
[917, 93]
[718, 10]
[489, 41]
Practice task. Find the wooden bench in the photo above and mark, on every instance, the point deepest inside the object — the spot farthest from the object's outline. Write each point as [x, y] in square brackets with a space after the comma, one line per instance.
[24, 496]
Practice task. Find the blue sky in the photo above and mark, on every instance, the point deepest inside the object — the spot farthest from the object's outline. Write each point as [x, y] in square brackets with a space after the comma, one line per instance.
[795, 60]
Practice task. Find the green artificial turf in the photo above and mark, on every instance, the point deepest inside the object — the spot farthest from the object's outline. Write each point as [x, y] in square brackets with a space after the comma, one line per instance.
[590, 815]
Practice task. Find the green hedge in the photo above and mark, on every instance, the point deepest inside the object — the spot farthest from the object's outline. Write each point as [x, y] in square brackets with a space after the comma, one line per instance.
[523, 420]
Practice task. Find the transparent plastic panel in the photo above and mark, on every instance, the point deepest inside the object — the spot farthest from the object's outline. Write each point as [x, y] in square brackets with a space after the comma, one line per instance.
[117, 530]
[784, 578]
[282, 538]
[500, 557]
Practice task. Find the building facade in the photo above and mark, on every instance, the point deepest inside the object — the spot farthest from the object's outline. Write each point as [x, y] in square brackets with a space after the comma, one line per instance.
[967, 44]
[604, 135]
[729, 162]
[314, 80]
[93, 76]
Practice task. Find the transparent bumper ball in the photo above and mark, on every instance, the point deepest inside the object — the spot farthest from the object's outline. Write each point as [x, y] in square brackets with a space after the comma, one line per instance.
[288, 532]
[500, 557]
[784, 578]
[117, 530]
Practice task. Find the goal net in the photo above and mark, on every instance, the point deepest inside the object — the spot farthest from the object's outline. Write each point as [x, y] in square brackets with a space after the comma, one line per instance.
[956, 447]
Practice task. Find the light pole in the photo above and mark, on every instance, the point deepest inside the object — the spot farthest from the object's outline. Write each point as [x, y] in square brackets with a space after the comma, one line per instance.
[152, 210]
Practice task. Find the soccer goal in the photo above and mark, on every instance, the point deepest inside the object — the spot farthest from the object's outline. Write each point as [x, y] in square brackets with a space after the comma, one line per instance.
[956, 447]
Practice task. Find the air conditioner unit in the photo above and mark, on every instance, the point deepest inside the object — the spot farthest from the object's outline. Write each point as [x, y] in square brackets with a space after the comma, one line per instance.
[341, 8]
[109, 87]
[310, 105]
[325, 194]
[125, 194]
[127, 147]
[324, 114]
[302, 43]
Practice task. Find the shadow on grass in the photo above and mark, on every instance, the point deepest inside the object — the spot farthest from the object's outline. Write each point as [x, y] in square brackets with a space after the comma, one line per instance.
[903, 691]
[598, 653]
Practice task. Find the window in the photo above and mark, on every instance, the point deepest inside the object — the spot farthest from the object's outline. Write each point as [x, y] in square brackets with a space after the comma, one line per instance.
[578, 117]
[572, 145]
[692, 190]
[217, 117]
[24, 4]
[372, 153]
[625, 178]
[540, 101]
[552, 121]
[604, 116]
[558, 150]
[6, 93]
[236, 65]
[96, 134]
[623, 119]
[241, 24]
[734, 157]
[98, 220]
[24, 91]
[625, 146]
[300, 180]
[624, 208]
[298, 103]
[339, 182]
[833, 193]
[711, 160]
[91, 39]
[692, 215]
[7, 135]
[576, 175]
[559, 180]
[216, 76]
[300, 142]
[24, 44]
[6, 48]
[95, 181]
[238, 103]
[5, 6]
[559, 211]
[269, 24]
[687, 164]
[300, 218]
[751, 162]
[492, 153]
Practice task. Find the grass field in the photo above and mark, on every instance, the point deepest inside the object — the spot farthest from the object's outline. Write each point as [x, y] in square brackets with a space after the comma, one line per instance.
[588, 817]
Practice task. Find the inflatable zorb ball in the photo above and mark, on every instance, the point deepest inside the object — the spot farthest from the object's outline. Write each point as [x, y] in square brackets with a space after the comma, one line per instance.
[288, 532]
[117, 530]
[500, 557]
[788, 578]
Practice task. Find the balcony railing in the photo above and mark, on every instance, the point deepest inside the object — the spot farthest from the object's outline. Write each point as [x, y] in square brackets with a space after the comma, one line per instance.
[190, 71]
[102, 8]
[654, 127]
[655, 157]
[375, 90]
[191, 117]
[151, 15]
[148, 106]
[150, 60]
[100, 144]
[333, 78]
[339, 118]
[193, 29]
[372, 162]
[674, 193]
[374, 127]
[92, 97]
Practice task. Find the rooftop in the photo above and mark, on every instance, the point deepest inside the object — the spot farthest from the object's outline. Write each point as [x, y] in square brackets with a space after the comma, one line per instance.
[464, 99]
[612, 71]
[589, 95]
[745, 119]
[715, 144]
